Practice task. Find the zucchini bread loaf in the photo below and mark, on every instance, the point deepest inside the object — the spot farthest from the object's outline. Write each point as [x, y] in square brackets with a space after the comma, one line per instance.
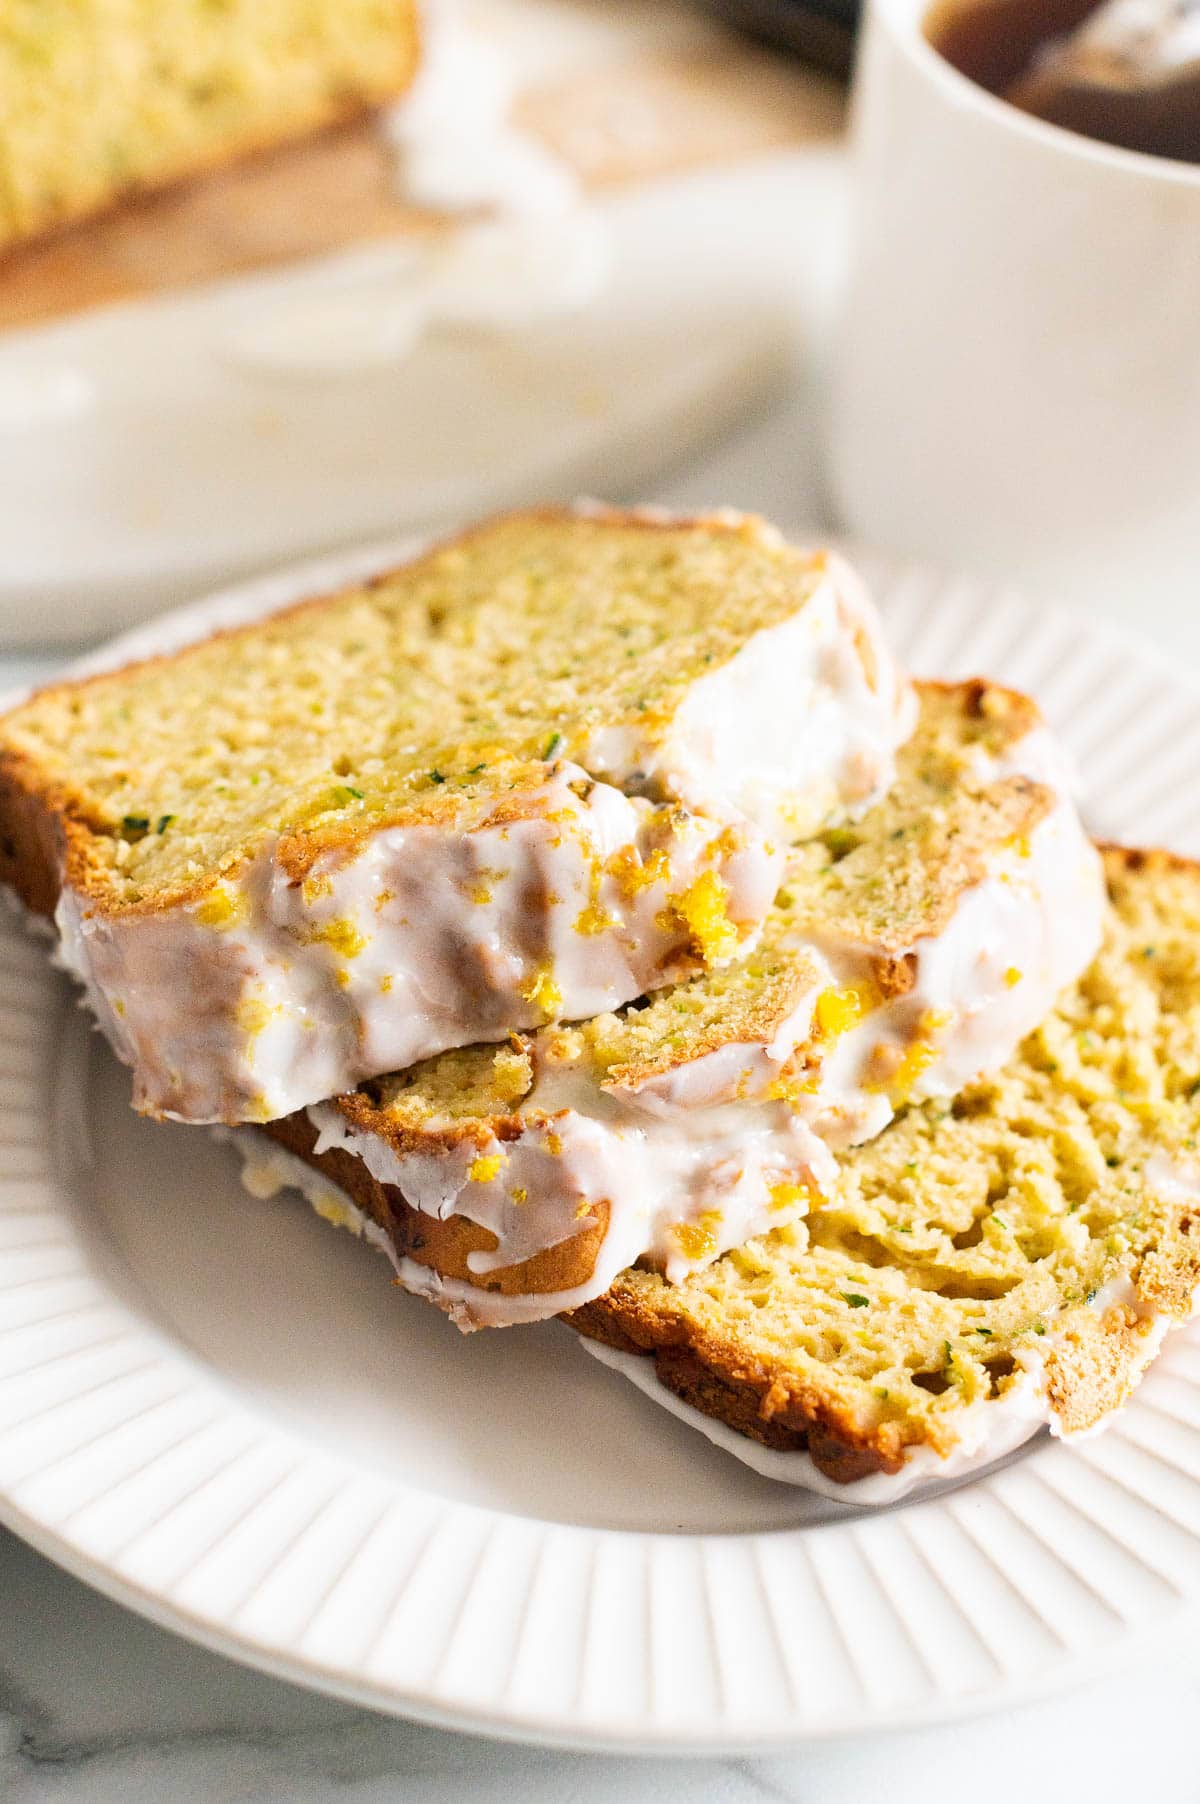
[904, 956]
[543, 769]
[100, 99]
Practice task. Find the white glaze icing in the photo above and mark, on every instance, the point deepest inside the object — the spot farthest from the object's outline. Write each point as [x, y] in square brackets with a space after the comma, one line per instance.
[719, 1164]
[267, 1169]
[1179, 1183]
[475, 932]
[450, 939]
[705, 1147]
[792, 730]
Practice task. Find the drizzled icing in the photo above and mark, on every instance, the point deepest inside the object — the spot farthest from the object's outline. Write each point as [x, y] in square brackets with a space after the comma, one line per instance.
[683, 1190]
[693, 1161]
[422, 941]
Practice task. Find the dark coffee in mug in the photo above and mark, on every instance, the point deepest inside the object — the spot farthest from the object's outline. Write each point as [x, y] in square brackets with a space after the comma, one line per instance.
[1126, 72]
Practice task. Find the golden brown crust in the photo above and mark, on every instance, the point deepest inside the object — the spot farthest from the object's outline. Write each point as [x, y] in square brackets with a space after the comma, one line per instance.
[1009, 710]
[1120, 860]
[1010, 713]
[740, 1402]
[33, 835]
[444, 1246]
[894, 976]
[713, 1372]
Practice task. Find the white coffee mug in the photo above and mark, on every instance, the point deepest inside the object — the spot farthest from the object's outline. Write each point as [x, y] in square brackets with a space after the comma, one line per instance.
[1017, 386]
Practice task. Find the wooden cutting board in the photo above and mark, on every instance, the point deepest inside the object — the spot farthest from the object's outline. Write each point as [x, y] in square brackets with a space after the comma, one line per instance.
[651, 115]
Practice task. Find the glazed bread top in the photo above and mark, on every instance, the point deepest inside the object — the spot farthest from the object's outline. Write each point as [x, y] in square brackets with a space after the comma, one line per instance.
[1013, 1254]
[902, 958]
[104, 97]
[540, 770]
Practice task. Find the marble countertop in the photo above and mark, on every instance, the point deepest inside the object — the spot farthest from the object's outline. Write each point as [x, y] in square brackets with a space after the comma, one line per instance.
[98, 1707]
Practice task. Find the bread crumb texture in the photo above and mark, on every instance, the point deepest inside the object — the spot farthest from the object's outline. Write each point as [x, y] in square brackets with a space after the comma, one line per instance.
[102, 98]
[975, 1234]
[441, 694]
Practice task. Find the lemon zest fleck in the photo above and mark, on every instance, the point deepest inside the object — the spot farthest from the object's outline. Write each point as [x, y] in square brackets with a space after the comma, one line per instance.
[785, 1196]
[838, 1010]
[544, 993]
[698, 1239]
[220, 908]
[702, 909]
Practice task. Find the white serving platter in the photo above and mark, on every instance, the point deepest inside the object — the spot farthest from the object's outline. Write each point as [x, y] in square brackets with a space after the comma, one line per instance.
[219, 1411]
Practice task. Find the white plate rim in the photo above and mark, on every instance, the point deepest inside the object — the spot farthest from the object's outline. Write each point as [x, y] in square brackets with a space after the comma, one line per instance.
[1030, 1617]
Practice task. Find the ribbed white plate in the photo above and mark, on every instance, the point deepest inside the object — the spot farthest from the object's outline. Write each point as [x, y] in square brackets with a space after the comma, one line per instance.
[220, 1412]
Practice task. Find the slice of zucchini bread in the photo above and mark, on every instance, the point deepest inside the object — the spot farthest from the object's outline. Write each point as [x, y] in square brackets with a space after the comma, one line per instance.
[987, 1265]
[544, 768]
[902, 958]
[100, 99]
